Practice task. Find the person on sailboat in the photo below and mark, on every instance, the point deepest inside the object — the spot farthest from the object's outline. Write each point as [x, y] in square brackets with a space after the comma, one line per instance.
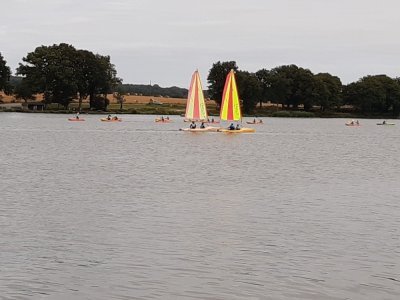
[202, 126]
[231, 127]
[193, 125]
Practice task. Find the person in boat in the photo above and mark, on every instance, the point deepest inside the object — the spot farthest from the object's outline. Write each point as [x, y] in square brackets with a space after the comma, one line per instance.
[192, 125]
[77, 115]
[109, 117]
[115, 118]
[237, 126]
[254, 121]
[384, 122]
[352, 122]
[231, 127]
[167, 118]
[358, 123]
[212, 120]
[202, 126]
[260, 121]
[162, 118]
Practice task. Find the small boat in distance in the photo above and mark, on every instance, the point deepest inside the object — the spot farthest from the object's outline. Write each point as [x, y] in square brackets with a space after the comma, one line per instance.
[255, 121]
[385, 123]
[353, 123]
[111, 120]
[230, 106]
[163, 120]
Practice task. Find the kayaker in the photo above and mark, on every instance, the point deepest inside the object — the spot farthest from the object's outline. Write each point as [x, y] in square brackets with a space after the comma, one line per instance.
[115, 118]
[231, 127]
[202, 125]
[162, 118]
[109, 117]
[384, 122]
[193, 125]
[358, 123]
[254, 121]
[77, 115]
[237, 126]
[212, 120]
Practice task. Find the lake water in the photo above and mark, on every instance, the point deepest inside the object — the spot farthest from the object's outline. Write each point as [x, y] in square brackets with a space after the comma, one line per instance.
[302, 209]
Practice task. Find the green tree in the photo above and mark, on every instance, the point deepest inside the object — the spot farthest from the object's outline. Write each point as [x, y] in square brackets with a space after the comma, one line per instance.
[216, 79]
[249, 89]
[5, 74]
[23, 91]
[292, 86]
[52, 70]
[328, 89]
[374, 94]
[265, 79]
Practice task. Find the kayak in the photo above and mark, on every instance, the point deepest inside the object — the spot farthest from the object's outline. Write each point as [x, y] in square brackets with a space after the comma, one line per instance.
[75, 120]
[354, 125]
[207, 129]
[111, 120]
[385, 124]
[163, 121]
[241, 130]
[254, 123]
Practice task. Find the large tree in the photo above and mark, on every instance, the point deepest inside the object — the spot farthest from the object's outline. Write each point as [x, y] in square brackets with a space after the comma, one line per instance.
[374, 94]
[61, 72]
[293, 86]
[52, 70]
[216, 78]
[249, 88]
[327, 92]
[265, 79]
[5, 74]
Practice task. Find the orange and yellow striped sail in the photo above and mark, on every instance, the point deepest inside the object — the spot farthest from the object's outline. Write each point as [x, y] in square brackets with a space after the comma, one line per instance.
[195, 105]
[230, 106]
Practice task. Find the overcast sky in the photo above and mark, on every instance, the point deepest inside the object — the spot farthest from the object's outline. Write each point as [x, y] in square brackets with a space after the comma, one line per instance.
[166, 40]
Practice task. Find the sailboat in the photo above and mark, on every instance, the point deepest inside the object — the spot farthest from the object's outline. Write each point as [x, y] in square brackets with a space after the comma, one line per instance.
[196, 110]
[230, 106]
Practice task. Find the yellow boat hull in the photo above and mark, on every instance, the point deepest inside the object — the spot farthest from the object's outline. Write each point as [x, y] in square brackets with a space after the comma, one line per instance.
[241, 130]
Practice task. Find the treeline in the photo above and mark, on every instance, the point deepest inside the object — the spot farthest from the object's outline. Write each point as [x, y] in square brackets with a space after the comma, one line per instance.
[153, 90]
[62, 73]
[294, 87]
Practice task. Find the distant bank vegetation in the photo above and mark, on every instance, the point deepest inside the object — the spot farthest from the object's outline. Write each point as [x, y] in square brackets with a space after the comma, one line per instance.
[61, 74]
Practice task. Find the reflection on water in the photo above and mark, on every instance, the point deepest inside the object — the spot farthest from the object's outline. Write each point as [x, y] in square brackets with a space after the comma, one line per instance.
[302, 209]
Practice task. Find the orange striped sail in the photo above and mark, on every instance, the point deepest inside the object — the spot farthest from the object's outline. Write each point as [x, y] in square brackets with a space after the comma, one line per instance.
[230, 106]
[195, 105]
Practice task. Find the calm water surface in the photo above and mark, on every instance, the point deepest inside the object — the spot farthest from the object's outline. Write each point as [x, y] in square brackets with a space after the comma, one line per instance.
[302, 209]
